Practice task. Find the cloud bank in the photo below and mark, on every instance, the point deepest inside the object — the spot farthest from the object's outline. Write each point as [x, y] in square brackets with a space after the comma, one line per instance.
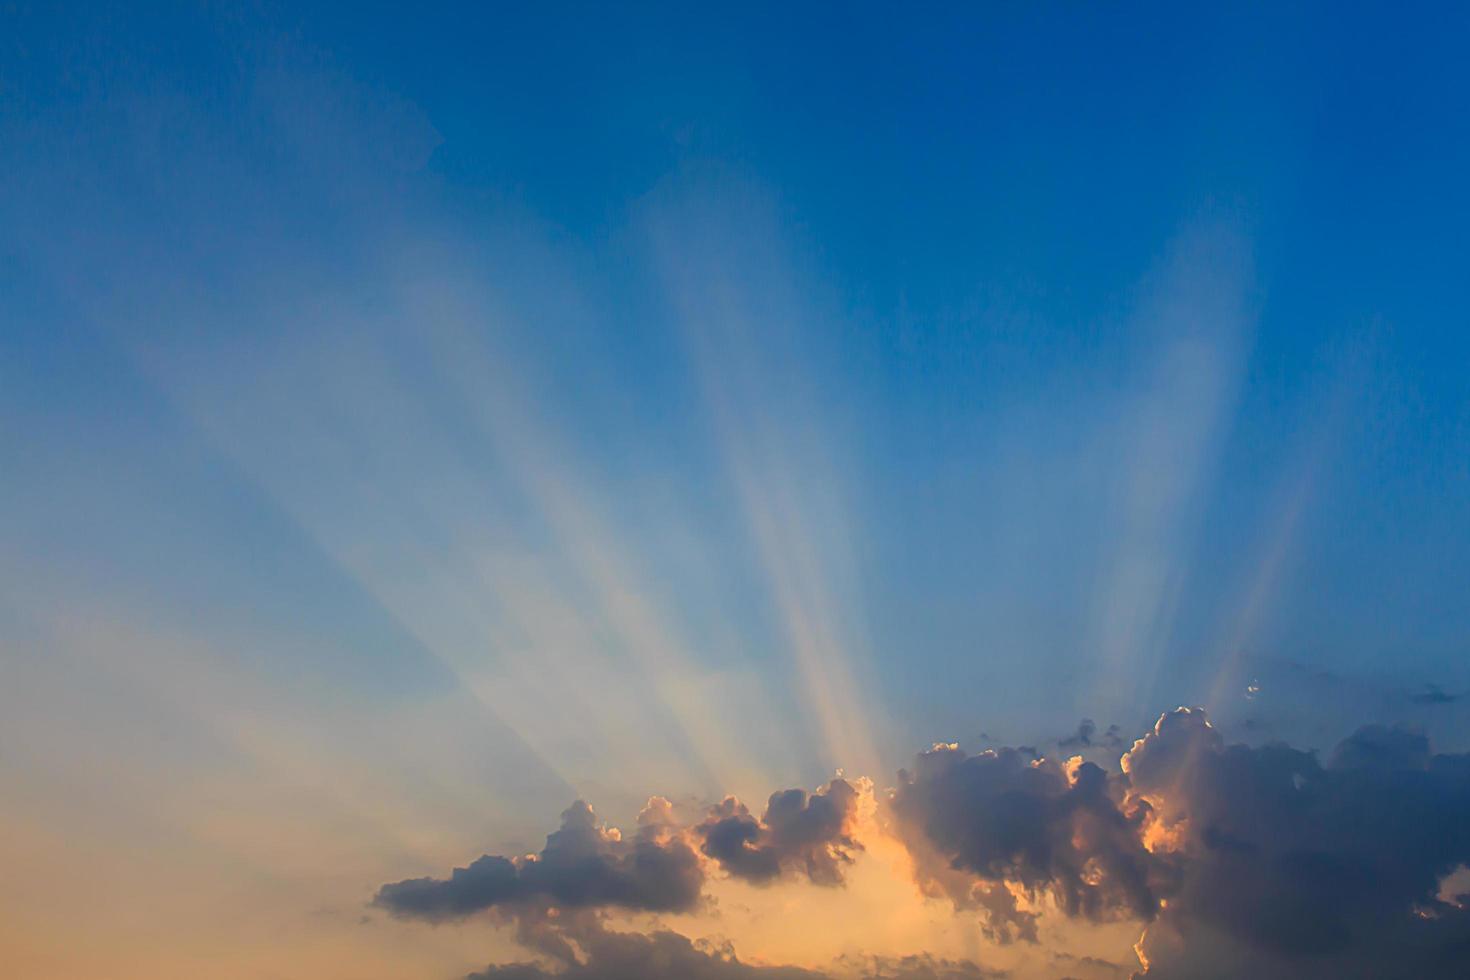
[659, 955]
[665, 955]
[1232, 860]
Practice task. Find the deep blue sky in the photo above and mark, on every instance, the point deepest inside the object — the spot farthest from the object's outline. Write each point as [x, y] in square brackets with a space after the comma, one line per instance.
[1053, 361]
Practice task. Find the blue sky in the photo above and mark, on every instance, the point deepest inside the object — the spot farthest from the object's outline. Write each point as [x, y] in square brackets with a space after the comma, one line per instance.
[682, 398]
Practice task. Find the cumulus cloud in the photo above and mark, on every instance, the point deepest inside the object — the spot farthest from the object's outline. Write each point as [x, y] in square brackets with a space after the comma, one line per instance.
[806, 835]
[1286, 868]
[1007, 818]
[1240, 861]
[1234, 860]
[582, 865]
[588, 866]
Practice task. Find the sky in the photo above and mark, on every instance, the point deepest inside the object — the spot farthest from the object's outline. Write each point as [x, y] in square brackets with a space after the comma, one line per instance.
[968, 490]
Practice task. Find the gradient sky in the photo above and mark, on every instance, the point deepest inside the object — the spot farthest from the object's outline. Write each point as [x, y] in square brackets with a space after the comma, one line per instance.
[414, 420]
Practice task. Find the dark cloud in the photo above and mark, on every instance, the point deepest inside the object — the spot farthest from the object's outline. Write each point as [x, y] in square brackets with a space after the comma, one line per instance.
[1286, 868]
[654, 956]
[1086, 737]
[1090, 967]
[581, 866]
[1380, 748]
[1003, 816]
[1432, 694]
[1241, 861]
[800, 834]
[925, 967]
[1082, 738]
[664, 955]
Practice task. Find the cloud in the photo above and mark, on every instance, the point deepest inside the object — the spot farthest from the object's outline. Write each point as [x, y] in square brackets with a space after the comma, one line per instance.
[1286, 868]
[1086, 737]
[922, 966]
[806, 835]
[665, 955]
[582, 866]
[1240, 861]
[1233, 860]
[1007, 818]
[1090, 967]
[1433, 694]
[660, 955]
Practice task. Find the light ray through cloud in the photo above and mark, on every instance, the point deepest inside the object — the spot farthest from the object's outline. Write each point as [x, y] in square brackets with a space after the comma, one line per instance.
[1196, 324]
[742, 321]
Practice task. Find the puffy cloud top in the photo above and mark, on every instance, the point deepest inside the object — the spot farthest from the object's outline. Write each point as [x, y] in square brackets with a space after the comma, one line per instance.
[1289, 869]
[582, 866]
[807, 835]
[1005, 816]
[1244, 861]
